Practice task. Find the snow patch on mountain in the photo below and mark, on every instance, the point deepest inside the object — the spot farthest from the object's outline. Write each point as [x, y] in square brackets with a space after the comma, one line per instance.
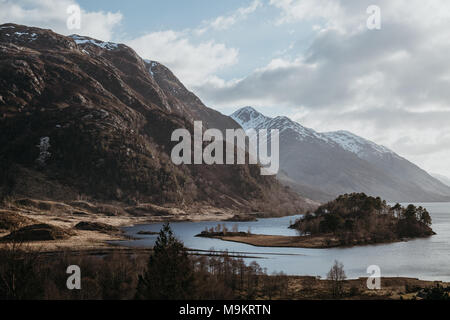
[249, 118]
[22, 35]
[284, 124]
[357, 145]
[152, 65]
[84, 40]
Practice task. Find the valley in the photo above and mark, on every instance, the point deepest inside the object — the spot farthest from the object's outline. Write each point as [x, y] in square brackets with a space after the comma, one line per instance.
[86, 167]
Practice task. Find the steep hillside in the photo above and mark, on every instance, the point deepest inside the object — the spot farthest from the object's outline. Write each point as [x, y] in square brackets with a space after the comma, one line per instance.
[82, 117]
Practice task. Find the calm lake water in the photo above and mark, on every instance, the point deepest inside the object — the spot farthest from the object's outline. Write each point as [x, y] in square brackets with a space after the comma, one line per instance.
[427, 259]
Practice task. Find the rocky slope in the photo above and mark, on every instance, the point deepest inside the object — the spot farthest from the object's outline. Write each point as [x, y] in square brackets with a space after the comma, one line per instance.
[324, 165]
[91, 119]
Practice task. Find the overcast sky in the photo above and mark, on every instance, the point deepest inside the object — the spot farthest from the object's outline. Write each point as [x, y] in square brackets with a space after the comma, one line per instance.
[312, 60]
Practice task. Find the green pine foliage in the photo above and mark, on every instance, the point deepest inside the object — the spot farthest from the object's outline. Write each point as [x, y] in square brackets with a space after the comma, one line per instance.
[169, 274]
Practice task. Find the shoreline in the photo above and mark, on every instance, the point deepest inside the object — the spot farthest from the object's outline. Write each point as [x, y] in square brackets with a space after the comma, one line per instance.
[304, 242]
[97, 243]
[94, 243]
[276, 241]
[304, 287]
[66, 215]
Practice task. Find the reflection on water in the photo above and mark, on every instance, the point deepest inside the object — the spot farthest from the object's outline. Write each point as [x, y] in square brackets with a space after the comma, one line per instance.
[427, 259]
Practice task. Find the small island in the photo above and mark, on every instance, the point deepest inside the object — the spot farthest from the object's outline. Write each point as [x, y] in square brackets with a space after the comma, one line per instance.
[350, 220]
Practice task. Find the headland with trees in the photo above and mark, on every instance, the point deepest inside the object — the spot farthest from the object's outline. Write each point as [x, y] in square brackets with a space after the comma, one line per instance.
[350, 220]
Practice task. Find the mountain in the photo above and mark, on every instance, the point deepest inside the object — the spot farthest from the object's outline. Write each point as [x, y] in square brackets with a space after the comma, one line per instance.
[80, 117]
[324, 165]
[445, 180]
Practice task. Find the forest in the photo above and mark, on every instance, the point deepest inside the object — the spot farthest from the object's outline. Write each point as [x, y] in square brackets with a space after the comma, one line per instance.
[357, 218]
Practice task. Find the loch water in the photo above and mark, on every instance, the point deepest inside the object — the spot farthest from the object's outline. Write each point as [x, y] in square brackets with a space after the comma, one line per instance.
[426, 259]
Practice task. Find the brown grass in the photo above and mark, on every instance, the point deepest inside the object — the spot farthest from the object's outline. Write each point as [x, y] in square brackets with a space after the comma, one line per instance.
[22, 212]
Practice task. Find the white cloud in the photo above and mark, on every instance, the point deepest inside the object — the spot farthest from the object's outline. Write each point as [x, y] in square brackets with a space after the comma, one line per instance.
[52, 14]
[389, 85]
[294, 10]
[227, 21]
[193, 64]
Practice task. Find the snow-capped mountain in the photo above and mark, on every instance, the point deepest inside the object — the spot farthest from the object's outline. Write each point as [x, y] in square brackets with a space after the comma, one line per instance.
[323, 165]
[249, 118]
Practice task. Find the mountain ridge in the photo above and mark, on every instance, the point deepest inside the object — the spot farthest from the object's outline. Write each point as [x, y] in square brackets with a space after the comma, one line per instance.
[85, 118]
[340, 162]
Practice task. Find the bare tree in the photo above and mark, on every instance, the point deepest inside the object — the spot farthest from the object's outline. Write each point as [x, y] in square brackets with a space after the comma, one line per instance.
[336, 276]
[19, 272]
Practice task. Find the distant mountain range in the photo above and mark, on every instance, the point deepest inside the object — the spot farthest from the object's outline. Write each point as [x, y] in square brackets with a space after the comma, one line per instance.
[323, 165]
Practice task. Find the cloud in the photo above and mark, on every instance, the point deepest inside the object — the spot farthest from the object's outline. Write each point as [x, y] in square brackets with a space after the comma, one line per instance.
[53, 14]
[389, 85]
[192, 63]
[294, 10]
[227, 21]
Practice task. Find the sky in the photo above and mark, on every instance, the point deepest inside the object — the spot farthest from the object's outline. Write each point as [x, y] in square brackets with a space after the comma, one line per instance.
[315, 61]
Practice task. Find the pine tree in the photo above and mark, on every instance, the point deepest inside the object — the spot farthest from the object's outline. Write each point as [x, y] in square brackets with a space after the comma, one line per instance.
[169, 274]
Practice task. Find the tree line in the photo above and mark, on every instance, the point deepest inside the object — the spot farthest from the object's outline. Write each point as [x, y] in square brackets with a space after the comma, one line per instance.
[169, 272]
